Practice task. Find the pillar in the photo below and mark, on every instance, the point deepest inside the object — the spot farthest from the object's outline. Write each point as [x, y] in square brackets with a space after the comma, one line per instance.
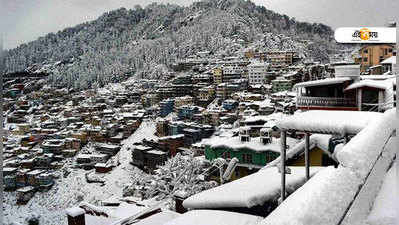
[307, 160]
[380, 100]
[359, 99]
[283, 149]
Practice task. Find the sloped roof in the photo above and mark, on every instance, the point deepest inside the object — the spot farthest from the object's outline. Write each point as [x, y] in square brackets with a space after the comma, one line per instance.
[249, 191]
[390, 60]
[327, 81]
[368, 83]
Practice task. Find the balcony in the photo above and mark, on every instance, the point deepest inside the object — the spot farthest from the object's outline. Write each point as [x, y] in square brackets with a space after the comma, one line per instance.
[320, 102]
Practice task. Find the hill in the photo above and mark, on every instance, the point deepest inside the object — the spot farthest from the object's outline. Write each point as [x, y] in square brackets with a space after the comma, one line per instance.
[124, 43]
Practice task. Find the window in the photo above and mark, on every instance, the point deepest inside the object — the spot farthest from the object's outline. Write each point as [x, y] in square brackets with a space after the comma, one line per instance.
[247, 158]
[237, 173]
[226, 155]
[386, 51]
[366, 51]
[365, 59]
[390, 50]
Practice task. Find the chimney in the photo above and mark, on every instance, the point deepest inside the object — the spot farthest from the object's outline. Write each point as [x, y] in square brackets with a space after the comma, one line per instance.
[179, 198]
[76, 216]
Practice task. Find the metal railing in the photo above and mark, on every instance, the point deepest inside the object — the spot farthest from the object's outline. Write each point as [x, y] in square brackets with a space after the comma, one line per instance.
[325, 101]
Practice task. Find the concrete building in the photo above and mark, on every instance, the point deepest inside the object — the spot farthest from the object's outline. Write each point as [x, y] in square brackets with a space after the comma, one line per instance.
[257, 73]
[372, 55]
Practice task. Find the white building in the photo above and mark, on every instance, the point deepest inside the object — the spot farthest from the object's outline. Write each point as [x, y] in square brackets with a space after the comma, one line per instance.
[257, 73]
[233, 71]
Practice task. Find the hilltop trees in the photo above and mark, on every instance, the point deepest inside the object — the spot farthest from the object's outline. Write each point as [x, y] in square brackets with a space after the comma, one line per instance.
[133, 41]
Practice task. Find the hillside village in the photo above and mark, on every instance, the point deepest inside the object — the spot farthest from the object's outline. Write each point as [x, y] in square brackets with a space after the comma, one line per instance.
[254, 118]
[216, 117]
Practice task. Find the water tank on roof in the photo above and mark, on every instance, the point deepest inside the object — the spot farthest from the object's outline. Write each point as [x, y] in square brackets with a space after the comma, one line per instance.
[352, 71]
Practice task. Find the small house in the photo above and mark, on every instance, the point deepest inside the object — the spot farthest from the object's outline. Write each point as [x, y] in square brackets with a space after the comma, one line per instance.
[25, 194]
[83, 158]
[22, 178]
[138, 153]
[32, 177]
[107, 148]
[172, 143]
[9, 182]
[102, 167]
[99, 158]
[45, 181]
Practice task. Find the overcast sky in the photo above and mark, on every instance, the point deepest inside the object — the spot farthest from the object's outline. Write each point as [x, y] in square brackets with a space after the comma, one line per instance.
[26, 20]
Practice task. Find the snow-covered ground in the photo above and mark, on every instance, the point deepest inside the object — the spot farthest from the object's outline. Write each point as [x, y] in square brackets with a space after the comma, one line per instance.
[73, 189]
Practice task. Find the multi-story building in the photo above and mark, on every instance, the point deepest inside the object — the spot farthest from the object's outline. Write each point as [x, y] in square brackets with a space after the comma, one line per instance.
[185, 100]
[172, 91]
[372, 55]
[389, 64]
[166, 107]
[232, 72]
[281, 84]
[347, 91]
[183, 79]
[217, 75]
[206, 94]
[280, 58]
[257, 73]
[224, 90]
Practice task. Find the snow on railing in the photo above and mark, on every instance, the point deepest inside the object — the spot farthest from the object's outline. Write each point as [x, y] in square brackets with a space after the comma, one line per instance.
[325, 101]
[362, 151]
[335, 194]
[360, 207]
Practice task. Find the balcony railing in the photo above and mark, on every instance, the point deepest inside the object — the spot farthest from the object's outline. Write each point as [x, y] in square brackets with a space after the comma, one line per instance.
[325, 102]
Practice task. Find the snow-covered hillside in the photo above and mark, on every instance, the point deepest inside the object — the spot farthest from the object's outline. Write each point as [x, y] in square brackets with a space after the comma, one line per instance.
[74, 189]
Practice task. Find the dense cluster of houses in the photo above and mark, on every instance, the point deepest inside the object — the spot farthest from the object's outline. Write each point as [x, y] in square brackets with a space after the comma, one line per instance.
[47, 128]
[223, 112]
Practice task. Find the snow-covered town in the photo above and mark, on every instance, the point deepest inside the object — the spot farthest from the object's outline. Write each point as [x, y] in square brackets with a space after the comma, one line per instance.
[261, 132]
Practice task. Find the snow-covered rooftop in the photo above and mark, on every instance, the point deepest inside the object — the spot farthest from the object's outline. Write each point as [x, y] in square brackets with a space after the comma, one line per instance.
[254, 144]
[214, 217]
[159, 218]
[328, 196]
[74, 211]
[370, 83]
[322, 200]
[329, 122]
[327, 81]
[249, 191]
[390, 60]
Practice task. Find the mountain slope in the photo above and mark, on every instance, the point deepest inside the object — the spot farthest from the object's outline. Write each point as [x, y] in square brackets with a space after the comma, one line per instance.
[124, 42]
